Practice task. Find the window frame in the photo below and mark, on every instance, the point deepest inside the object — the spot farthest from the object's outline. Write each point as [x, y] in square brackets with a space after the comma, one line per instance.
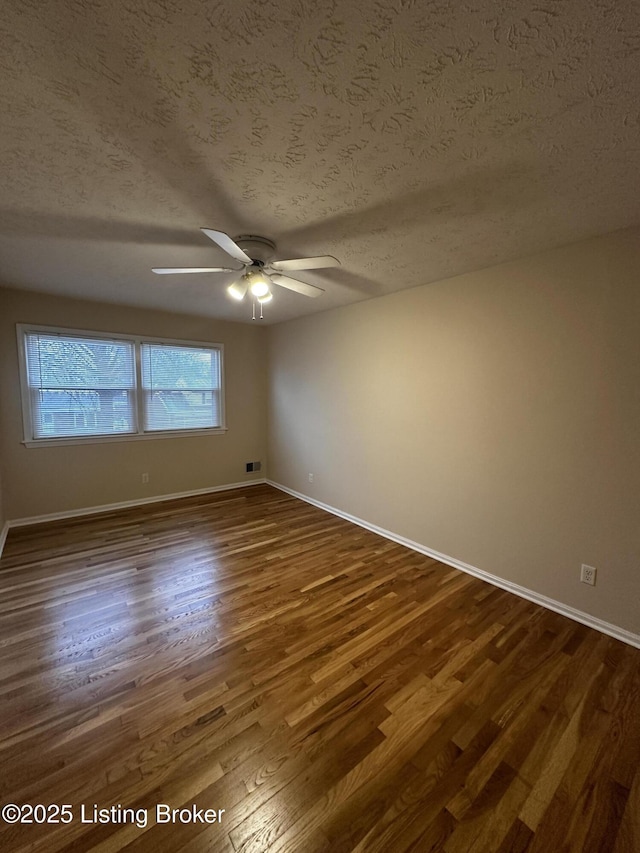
[23, 329]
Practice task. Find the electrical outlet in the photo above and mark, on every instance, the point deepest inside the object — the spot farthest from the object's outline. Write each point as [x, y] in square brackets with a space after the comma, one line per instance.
[588, 575]
[310, 478]
[145, 478]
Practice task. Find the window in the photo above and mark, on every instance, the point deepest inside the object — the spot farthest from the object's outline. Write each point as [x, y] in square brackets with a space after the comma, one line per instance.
[181, 386]
[79, 386]
[82, 385]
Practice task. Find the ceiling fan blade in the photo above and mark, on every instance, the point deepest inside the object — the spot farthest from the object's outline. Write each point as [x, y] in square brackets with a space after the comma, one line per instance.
[172, 270]
[225, 242]
[293, 284]
[305, 263]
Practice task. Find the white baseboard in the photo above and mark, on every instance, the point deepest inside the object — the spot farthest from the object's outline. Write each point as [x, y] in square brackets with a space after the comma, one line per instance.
[93, 510]
[551, 604]
[3, 536]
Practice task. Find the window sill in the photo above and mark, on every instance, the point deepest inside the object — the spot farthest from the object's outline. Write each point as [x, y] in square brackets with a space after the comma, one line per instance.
[109, 439]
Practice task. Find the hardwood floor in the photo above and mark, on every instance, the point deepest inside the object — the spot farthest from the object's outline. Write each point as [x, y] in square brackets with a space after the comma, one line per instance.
[327, 688]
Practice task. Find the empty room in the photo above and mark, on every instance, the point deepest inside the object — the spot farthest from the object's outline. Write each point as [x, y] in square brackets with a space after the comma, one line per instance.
[319, 426]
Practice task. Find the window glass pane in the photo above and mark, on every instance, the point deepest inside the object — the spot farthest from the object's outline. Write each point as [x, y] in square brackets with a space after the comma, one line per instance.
[182, 387]
[181, 410]
[57, 362]
[68, 413]
[80, 386]
[167, 367]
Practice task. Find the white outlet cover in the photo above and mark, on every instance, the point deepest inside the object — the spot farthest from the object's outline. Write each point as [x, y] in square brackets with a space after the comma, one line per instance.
[588, 574]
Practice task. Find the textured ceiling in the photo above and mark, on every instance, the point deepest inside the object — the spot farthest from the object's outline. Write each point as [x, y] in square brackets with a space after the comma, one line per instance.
[412, 139]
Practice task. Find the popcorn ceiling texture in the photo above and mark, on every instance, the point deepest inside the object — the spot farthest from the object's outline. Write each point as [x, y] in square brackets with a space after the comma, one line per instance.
[414, 140]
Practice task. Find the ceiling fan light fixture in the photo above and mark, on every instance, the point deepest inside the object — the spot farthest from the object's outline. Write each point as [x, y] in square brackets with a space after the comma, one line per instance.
[266, 298]
[259, 289]
[258, 284]
[238, 289]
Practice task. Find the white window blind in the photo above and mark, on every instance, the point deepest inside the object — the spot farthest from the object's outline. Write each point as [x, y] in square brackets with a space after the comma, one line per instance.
[79, 386]
[181, 387]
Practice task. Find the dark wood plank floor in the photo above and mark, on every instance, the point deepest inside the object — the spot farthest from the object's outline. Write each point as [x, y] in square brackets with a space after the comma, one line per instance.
[327, 688]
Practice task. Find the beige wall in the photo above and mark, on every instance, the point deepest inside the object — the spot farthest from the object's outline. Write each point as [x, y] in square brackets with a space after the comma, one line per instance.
[3, 517]
[493, 417]
[54, 479]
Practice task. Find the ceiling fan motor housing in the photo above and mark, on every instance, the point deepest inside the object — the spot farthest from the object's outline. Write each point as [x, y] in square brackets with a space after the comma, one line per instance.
[259, 249]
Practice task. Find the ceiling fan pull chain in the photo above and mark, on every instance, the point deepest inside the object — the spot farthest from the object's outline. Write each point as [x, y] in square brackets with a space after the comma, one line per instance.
[261, 317]
[254, 309]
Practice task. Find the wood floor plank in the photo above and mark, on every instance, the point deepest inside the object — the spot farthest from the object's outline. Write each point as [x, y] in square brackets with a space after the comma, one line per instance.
[330, 690]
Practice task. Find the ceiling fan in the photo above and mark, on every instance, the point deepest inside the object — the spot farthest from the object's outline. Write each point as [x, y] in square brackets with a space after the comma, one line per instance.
[258, 271]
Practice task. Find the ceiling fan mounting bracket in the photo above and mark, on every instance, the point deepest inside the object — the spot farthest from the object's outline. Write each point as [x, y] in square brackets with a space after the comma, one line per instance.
[259, 249]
